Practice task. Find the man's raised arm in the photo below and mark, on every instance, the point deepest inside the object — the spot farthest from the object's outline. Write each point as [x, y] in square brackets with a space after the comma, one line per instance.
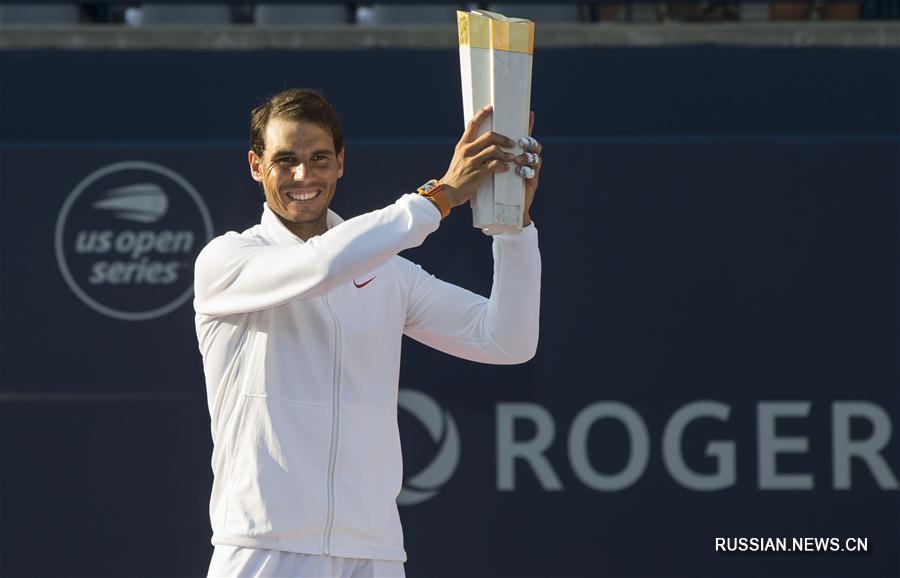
[235, 274]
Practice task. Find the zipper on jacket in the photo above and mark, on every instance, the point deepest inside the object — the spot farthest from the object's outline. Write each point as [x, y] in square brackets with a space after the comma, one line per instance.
[335, 417]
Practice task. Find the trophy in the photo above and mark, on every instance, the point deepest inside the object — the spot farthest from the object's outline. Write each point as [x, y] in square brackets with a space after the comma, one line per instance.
[495, 64]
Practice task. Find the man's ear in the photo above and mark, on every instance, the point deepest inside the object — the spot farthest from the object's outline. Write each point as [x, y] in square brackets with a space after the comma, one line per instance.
[340, 160]
[255, 168]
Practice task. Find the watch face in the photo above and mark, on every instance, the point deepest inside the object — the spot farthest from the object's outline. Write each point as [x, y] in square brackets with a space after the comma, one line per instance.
[429, 186]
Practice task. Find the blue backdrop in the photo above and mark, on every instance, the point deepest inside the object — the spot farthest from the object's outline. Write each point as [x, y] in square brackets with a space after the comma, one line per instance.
[719, 231]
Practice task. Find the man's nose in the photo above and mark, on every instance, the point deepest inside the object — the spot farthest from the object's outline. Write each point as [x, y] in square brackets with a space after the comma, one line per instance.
[300, 171]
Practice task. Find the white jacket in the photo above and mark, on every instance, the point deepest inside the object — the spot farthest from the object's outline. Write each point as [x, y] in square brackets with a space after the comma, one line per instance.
[301, 350]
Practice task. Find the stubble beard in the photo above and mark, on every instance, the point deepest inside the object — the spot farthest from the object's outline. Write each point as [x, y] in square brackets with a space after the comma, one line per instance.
[304, 224]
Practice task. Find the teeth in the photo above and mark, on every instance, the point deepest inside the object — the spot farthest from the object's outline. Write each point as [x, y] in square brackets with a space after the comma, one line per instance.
[303, 196]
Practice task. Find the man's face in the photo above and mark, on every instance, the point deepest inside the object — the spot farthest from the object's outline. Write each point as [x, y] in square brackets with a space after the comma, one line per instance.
[299, 171]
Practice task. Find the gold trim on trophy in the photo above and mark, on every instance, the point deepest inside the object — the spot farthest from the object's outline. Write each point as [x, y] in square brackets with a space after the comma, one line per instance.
[483, 29]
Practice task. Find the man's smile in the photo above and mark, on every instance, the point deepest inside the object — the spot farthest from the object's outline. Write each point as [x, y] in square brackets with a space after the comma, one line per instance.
[301, 196]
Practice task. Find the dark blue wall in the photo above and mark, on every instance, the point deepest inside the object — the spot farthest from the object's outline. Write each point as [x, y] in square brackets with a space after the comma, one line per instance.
[716, 224]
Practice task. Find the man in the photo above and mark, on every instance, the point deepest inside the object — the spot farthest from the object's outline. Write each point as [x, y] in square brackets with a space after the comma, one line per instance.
[300, 320]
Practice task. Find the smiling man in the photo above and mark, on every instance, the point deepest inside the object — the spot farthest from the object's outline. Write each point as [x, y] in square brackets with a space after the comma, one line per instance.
[298, 192]
[300, 320]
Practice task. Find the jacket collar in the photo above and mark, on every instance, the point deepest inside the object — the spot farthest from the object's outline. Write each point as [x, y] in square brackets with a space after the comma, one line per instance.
[274, 230]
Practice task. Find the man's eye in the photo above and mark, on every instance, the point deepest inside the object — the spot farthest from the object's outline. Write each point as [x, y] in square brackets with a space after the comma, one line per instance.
[319, 158]
[285, 161]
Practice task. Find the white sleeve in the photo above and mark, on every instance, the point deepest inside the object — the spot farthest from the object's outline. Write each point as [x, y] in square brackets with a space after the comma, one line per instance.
[502, 329]
[235, 274]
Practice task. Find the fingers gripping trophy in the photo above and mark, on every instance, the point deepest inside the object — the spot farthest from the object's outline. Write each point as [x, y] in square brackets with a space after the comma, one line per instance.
[495, 54]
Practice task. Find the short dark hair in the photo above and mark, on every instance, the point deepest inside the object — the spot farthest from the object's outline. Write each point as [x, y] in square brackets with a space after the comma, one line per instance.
[298, 104]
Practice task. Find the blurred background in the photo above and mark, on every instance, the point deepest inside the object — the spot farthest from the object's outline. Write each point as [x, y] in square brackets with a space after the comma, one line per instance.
[718, 216]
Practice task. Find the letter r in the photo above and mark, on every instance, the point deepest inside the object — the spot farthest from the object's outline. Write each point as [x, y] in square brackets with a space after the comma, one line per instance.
[532, 451]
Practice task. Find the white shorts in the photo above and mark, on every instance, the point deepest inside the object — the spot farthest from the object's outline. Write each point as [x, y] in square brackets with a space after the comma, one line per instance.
[236, 562]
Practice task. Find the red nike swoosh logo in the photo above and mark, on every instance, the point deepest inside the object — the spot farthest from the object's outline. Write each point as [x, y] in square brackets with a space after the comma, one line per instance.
[361, 285]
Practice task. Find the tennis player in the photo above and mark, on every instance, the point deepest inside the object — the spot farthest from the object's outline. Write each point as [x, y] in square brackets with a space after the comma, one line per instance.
[300, 319]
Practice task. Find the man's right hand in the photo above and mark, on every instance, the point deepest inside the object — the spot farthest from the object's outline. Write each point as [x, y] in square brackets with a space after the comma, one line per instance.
[474, 159]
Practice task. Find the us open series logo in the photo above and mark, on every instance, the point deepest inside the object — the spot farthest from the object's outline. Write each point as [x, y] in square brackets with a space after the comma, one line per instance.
[127, 237]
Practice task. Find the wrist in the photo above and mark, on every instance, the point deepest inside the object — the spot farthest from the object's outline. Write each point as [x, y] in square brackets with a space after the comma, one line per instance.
[450, 192]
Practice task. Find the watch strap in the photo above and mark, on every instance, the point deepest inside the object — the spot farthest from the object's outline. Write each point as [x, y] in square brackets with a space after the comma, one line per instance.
[433, 191]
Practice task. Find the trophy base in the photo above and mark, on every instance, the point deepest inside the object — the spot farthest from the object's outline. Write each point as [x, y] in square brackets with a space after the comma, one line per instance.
[506, 219]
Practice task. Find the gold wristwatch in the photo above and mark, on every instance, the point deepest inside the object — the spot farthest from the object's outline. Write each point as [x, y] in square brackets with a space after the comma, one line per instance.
[433, 191]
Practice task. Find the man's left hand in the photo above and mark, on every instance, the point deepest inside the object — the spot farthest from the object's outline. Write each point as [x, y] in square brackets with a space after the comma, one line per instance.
[531, 158]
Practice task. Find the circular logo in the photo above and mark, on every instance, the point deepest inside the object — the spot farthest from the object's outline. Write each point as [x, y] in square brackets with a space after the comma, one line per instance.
[442, 429]
[127, 237]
